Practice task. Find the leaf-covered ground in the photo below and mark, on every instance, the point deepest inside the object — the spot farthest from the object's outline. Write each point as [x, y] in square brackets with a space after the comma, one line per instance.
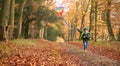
[46, 53]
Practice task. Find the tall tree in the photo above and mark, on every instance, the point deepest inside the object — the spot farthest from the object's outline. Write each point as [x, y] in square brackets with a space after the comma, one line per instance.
[85, 6]
[20, 20]
[4, 19]
[96, 5]
[91, 16]
[108, 21]
[119, 34]
[12, 16]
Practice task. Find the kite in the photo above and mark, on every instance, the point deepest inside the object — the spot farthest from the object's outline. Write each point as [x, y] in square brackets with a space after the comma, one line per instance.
[60, 10]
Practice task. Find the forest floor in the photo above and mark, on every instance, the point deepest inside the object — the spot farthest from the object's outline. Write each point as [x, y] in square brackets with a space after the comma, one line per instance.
[46, 53]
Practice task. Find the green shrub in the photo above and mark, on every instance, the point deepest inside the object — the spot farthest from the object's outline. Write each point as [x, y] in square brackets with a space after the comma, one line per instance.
[52, 34]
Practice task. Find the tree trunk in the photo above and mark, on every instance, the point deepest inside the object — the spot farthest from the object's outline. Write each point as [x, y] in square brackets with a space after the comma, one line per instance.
[91, 16]
[12, 16]
[75, 26]
[20, 20]
[25, 30]
[109, 21]
[41, 33]
[96, 5]
[1, 33]
[71, 31]
[82, 22]
[69, 35]
[45, 32]
[4, 19]
[119, 34]
[42, 29]
[84, 13]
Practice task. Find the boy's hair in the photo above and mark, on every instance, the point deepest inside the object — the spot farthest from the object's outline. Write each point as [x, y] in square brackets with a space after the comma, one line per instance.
[85, 28]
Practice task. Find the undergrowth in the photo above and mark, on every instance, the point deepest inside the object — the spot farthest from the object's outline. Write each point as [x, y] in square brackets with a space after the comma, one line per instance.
[23, 42]
[115, 45]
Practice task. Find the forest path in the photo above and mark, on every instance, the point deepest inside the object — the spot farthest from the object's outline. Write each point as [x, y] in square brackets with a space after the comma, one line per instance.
[87, 58]
[46, 53]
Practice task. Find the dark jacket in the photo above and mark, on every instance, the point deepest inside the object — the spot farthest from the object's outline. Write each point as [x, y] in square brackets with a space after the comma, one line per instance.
[86, 36]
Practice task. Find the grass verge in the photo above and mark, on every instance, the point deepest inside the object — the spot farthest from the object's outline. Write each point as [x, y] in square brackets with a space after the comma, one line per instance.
[115, 45]
[23, 42]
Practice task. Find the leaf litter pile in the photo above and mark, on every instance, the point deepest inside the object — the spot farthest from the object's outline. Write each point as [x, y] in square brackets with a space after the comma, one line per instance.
[46, 53]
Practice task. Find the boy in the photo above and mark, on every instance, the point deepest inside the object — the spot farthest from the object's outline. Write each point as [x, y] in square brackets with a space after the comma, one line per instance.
[85, 37]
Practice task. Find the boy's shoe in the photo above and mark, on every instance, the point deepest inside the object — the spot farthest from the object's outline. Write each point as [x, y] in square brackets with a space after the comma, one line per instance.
[85, 50]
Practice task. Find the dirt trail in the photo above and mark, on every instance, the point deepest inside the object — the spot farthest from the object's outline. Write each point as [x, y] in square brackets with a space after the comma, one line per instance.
[88, 58]
[47, 53]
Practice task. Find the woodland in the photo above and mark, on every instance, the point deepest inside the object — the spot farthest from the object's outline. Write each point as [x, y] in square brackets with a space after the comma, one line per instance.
[39, 19]
[49, 29]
